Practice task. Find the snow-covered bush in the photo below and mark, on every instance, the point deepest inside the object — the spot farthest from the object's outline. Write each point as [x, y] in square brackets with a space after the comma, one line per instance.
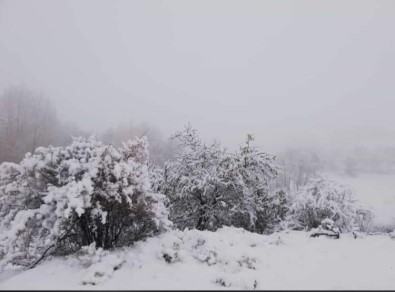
[364, 220]
[62, 198]
[274, 212]
[192, 183]
[248, 179]
[321, 199]
[209, 187]
[11, 195]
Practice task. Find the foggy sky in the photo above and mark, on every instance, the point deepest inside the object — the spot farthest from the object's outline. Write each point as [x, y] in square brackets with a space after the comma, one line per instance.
[292, 72]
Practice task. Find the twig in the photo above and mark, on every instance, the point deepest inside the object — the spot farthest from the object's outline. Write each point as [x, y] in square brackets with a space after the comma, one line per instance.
[41, 258]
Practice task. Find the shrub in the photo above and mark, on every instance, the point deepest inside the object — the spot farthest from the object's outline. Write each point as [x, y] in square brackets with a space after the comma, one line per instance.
[321, 199]
[62, 198]
[209, 188]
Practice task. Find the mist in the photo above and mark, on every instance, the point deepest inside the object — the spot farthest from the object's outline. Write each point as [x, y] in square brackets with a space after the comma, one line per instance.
[206, 144]
[293, 73]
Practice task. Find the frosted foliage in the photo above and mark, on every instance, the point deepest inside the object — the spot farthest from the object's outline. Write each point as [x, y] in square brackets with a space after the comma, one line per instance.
[250, 176]
[321, 199]
[190, 182]
[209, 187]
[156, 178]
[61, 198]
[10, 192]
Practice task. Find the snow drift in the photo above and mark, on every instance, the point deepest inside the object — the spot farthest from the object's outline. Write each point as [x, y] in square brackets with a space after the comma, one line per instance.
[230, 258]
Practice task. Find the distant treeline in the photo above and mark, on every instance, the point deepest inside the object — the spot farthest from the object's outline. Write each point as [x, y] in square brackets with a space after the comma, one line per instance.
[29, 119]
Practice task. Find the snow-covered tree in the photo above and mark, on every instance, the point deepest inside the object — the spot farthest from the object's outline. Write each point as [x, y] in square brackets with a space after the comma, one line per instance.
[250, 178]
[209, 187]
[192, 184]
[61, 198]
[320, 199]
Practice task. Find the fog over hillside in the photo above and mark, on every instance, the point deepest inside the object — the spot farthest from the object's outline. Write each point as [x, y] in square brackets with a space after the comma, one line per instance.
[125, 124]
[293, 73]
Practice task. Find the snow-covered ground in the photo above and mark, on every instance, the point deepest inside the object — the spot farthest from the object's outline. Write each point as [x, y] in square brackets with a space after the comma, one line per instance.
[374, 190]
[227, 259]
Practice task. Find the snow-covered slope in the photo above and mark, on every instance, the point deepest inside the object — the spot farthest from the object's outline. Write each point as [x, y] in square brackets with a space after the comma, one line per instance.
[227, 259]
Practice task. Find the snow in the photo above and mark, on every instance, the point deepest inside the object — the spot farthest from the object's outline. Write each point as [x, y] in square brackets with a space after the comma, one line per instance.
[209, 187]
[37, 210]
[374, 190]
[230, 258]
[325, 198]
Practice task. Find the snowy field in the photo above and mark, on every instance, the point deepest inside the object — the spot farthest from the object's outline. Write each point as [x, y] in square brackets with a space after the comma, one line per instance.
[227, 259]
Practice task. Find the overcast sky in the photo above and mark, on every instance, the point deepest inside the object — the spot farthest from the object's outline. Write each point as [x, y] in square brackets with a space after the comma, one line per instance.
[289, 71]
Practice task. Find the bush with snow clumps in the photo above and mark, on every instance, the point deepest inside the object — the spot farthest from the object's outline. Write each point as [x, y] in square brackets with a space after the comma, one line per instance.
[59, 199]
[322, 199]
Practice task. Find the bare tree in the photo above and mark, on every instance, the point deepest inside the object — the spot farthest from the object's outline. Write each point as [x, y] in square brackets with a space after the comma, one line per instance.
[28, 120]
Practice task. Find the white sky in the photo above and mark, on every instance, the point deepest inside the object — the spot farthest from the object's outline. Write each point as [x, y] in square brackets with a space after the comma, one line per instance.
[292, 72]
